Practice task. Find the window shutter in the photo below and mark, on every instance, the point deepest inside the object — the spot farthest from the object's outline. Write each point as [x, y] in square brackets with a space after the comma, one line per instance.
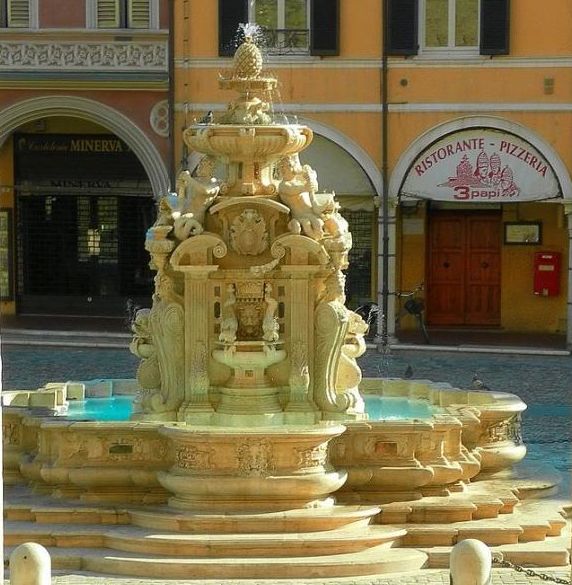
[401, 27]
[230, 14]
[138, 14]
[108, 14]
[325, 27]
[495, 19]
[18, 14]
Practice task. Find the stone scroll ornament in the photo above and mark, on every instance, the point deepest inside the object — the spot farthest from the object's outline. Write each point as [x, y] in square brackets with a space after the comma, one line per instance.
[339, 341]
[159, 342]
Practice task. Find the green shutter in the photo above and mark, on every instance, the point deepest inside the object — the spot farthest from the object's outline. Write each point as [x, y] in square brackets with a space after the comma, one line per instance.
[18, 14]
[108, 14]
[138, 13]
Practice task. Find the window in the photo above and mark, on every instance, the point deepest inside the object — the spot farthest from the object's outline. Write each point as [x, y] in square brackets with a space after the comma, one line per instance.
[284, 23]
[15, 13]
[447, 27]
[288, 26]
[450, 24]
[123, 14]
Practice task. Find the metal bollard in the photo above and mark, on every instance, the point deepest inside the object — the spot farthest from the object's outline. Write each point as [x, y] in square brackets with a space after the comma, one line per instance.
[470, 563]
[30, 564]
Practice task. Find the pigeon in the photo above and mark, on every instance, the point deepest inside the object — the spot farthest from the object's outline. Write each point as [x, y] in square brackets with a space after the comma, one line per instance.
[478, 384]
[408, 373]
[208, 119]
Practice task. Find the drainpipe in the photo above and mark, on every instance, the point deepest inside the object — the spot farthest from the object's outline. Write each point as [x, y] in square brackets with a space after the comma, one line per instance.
[171, 97]
[383, 219]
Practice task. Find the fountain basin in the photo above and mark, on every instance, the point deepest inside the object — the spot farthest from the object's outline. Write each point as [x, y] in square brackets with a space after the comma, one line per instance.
[265, 469]
[240, 143]
[392, 460]
[387, 460]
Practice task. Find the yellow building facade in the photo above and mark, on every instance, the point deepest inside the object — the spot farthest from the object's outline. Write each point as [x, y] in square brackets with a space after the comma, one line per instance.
[451, 116]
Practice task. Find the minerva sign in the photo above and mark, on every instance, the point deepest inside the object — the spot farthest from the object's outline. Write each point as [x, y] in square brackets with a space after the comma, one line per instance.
[481, 166]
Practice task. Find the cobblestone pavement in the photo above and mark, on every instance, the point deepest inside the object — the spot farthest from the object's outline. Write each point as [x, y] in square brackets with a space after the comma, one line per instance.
[543, 382]
[428, 577]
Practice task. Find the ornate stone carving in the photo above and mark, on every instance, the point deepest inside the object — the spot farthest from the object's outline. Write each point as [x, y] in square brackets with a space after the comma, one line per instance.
[158, 341]
[339, 341]
[159, 118]
[248, 233]
[254, 457]
[93, 56]
[270, 326]
[229, 322]
[316, 457]
[299, 379]
[506, 430]
[190, 457]
[194, 197]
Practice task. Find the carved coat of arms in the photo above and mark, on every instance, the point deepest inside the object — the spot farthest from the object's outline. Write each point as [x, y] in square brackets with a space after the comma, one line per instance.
[248, 233]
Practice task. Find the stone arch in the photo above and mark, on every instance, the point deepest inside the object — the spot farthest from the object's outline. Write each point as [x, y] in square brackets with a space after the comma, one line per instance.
[77, 107]
[433, 134]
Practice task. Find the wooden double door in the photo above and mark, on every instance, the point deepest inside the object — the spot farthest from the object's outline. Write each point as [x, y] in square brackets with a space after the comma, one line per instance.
[464, 268]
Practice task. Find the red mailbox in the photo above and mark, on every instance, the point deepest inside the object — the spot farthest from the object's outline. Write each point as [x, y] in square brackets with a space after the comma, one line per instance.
[547, 273]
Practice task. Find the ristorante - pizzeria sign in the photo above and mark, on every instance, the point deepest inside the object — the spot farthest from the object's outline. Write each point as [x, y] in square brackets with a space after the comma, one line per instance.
[481, 165]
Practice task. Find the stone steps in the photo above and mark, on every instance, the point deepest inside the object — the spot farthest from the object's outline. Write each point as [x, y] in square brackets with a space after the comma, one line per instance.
[304, 520]
[375, 561]
[138, 540]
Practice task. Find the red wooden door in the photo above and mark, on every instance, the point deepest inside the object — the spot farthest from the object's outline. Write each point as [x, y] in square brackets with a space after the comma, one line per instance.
[463, 281]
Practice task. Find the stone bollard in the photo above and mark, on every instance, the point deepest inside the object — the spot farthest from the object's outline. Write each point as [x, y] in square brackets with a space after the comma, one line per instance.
[30, 564]
[470, 563]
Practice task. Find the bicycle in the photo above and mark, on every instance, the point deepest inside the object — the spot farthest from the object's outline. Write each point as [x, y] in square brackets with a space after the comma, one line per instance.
[414, 305]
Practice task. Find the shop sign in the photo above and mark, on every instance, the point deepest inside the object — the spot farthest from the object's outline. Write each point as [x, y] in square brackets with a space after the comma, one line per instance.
[481, 166]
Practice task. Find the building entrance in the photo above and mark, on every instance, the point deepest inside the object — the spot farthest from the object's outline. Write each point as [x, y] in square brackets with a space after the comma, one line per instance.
[82, 255]
[83, 205]
[464, 268]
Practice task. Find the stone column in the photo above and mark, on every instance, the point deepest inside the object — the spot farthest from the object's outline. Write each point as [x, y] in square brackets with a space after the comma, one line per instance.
[391, 232]
[568, 212]
[196, 407]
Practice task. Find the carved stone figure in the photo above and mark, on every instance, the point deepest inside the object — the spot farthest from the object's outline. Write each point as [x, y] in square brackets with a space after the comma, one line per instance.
[194, 197]
[229, 322]
[296, 190]
[270, 324]
[158, 341]
[339, 341]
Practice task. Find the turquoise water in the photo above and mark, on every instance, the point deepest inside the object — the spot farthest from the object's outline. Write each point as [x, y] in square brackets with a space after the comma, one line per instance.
[395, 408]
[115, 408]
[377, 407]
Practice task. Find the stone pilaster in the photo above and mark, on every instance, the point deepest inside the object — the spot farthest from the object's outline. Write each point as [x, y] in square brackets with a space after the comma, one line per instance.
[301, 408]
[196, 407]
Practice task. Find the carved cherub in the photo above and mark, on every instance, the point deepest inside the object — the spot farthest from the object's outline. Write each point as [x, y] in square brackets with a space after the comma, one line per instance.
[194, 196]
[297, 190]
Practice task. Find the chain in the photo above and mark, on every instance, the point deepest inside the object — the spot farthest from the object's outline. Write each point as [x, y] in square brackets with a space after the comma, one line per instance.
[528, 572]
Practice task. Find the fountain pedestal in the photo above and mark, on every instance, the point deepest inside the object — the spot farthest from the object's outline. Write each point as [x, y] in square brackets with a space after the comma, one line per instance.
[267, 469]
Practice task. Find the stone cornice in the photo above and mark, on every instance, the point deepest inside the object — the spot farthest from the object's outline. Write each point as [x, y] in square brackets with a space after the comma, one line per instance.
[86, 55]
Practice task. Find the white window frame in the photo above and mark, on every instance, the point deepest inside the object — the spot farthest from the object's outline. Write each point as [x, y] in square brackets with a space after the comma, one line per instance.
[91, 16]
[281, 24]
[33, 12]
[450, 51]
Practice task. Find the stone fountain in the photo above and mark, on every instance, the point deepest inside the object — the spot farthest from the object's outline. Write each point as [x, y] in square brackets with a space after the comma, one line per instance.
[249, 453]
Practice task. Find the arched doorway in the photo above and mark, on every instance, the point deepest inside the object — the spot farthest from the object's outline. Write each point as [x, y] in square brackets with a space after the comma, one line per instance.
[481, 198]
[82, 202]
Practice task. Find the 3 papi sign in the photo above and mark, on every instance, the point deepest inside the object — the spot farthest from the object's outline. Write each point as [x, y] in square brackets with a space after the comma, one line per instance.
[481, 165]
